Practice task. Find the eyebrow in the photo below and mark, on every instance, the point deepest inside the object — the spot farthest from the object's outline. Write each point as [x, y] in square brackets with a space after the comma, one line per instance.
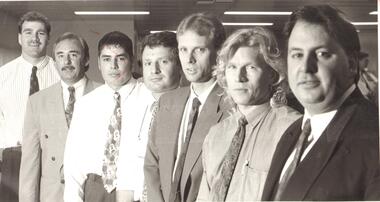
[72, 51]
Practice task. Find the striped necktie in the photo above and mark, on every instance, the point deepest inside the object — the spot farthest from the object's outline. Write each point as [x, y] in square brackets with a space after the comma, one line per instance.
[301, 144]
[70, 105]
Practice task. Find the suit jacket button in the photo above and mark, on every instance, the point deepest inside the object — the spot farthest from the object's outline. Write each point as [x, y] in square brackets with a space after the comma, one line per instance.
[53, 158]
[46, 136]
[62, 181]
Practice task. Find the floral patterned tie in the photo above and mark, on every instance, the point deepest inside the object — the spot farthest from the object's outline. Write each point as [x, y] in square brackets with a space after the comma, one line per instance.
[111, 152]
[70, 105]
[34, 87]
[221, 185]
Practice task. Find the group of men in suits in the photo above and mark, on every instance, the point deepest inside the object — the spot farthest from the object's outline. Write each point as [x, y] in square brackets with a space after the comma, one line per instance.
[127, 137]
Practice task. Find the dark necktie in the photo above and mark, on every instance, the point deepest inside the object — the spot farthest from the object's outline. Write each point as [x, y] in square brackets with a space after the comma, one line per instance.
[175, 186]
[70, 105]
[220, 187]
[301, 144]
[111, 152]
[34, 87]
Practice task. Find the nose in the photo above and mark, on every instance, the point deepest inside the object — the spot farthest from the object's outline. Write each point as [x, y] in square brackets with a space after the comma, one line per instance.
[68, 60]
[36, 37]
[309, 65]
[115, 64]
[241, 75]
[156, 68]
[189, 57]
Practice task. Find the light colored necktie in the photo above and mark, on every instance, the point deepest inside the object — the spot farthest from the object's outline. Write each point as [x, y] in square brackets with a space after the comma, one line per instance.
[111, 152]
[220, 188]
[70, 105]
[34, 87]
[301, 144]
[175, 186]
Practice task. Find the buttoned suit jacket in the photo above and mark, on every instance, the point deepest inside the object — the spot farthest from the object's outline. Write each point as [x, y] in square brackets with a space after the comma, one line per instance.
[162, 144]
[44, 138]
[342, 165]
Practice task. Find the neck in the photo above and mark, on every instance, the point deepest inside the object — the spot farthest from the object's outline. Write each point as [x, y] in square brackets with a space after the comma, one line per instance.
[32, 60]
[246, 109]
[199, 88]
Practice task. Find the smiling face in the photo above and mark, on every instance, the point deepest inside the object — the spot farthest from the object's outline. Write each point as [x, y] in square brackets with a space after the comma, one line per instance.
[249, 78]
[197, 56]
[160, 69]
[33, 39]
[115, 66]
[318, 68]
[69, 60]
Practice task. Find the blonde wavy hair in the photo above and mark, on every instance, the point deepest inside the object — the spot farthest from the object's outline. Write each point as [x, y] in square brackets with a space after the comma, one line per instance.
[265, 41]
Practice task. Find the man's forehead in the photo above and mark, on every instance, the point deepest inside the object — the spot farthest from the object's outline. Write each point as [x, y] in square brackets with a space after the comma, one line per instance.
[73, 43]
[30, 24]
[113, 49]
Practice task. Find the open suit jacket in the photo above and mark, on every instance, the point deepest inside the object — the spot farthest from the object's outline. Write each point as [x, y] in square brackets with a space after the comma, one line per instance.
[44, 138]
[342, 165]
[162, 145]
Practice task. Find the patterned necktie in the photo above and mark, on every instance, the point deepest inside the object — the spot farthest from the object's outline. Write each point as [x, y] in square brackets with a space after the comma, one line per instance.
[301, 144]
[34, 87]
[70, 105]
[175, 186]
[111, 152]
[219, 189]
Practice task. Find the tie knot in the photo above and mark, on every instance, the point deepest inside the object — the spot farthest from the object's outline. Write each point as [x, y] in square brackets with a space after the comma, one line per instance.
[243, 121]
[196, 103]
[307, 126]
[116, 96]
[34, 69]
[71, 89]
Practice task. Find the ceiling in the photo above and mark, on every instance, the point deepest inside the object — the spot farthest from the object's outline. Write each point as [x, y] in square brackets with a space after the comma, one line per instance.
[166, 14]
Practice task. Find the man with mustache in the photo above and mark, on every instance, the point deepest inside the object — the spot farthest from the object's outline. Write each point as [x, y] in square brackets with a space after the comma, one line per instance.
[47, 121]
[173, 164]
[332, 152]
[102, 159]
[19, 78]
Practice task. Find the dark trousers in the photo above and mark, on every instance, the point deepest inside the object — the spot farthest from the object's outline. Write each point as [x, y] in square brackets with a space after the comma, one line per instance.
[10, 170]
[94, 190]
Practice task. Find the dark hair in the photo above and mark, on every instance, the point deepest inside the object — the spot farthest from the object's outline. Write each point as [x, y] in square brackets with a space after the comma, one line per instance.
[116, 38]
[83, 43]
[204, 24]
[334, 23]
[34, 16]
[165, 39]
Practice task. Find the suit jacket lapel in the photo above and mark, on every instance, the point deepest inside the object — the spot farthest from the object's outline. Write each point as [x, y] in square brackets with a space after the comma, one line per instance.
[56, 106]
[318, 157]
[211, 114]
[283, 150]
[175, 112]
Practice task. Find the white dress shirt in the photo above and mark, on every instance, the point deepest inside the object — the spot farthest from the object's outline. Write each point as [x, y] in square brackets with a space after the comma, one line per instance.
[14, 94]
[185, 117]
[87, 138]
[79, 90]
[319, 123]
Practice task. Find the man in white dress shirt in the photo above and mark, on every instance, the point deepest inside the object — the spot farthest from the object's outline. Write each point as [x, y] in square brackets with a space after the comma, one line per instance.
[102, 150]
[15, 79]
[47, 121]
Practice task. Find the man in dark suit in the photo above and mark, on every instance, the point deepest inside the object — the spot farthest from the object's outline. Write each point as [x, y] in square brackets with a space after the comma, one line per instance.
[48, 117]
[336, 156]
[173, 164]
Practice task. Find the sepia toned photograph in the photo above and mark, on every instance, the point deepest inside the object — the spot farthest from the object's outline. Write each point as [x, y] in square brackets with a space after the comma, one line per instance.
[189, 100]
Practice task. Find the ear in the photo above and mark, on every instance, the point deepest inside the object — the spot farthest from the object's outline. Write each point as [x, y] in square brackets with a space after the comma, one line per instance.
[353, 65]
[19, 38]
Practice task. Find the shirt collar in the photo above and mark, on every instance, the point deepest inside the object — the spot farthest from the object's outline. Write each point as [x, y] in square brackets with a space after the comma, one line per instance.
[203, 96]
[125, 90]
[255, 111]
[78, 84]
[42, 64]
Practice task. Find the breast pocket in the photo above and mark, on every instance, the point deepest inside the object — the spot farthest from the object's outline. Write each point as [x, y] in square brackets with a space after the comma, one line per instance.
[254, 183]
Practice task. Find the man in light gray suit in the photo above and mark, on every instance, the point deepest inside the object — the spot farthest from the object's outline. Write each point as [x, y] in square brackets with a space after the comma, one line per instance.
[47, 120]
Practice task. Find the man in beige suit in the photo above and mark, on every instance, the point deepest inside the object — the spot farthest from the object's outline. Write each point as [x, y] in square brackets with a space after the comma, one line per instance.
[47, 120]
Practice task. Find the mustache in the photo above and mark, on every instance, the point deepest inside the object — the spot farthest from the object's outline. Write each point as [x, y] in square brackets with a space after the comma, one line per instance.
[67, 67]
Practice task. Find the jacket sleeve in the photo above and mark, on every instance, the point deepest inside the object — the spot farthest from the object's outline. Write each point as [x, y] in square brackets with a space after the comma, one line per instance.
[30, 168]
[151, 166]
[204, 189]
